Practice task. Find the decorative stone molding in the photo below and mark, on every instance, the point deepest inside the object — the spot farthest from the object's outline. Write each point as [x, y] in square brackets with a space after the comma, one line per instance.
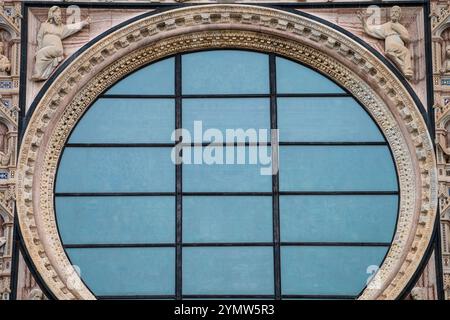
[227, 26]
[9, 96]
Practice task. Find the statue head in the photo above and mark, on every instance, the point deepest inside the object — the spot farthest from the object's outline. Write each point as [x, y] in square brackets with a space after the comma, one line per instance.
[36, 294]
[417, 293]
[396, 13]
[54, 15]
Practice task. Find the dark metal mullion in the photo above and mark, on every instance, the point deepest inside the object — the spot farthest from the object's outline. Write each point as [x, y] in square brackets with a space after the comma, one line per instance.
[225, 144]
[224, 244]
[225, 96]
[118, 245]
[178, 184]
[338, 193]
[225, 296]
[137, 96]
[275, 178]
[230, 194]
[120, 145]
[228, 296]
[335, 143]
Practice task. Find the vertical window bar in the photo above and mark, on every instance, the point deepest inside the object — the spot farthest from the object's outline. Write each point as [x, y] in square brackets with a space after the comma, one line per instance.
[178, 184]
[275, 179]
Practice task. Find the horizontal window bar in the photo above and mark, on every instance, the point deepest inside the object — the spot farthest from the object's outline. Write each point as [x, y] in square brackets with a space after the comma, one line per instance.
[225, 96]
[338, 193]
[113, 194]
[231, 144]
[336, 244]
[120, 145]
[118, 245]
[226, 244]
[229, 244]
[312, 95]
[337, 143]
[244, 194]
[227, 296]
[137, 96]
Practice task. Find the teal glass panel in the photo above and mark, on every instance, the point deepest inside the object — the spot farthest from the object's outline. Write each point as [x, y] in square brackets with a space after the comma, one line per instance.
[126, 121]
[325, 120]
[228, 270]
[112, 220]
[227, 219]
[226, 114]
[328, 270]
[225, 72]
[223, 175]
[116, 170]
[340, 218]
[154, 79]
[337, 168]
[126, 271]
[295, 78]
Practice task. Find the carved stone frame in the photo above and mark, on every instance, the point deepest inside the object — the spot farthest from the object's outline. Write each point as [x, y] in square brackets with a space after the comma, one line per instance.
[226, 26]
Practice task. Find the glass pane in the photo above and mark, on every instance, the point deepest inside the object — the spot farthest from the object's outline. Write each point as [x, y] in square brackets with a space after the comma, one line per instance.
[111, 220]
[226, 114]
[157, 78]
[225, 174]
[295, 78]
[328, 270]
[337, 168]
[228, 270]
[338, 218]
[325, 120]
[225, 72]
[116, 170]
[126, 271]
[126, 121]
[227, 219]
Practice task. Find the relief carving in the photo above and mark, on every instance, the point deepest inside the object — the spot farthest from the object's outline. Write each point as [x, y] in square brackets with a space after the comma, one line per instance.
[396, 37]
[5, 151]
[418, 293]
[36, 294]
[50, 51]
[446, 63]
[5, 64]
[2, 237]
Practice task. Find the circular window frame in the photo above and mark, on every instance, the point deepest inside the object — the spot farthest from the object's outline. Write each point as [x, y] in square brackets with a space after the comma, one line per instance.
[295, 37]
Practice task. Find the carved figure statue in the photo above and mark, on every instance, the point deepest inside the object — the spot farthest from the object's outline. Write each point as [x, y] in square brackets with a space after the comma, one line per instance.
[2, 244]
[418, 293]
[50, 51]
[446, 64]
[5, 64]
[2, 237]
[36, 294]
[396, 37]
[5, 151]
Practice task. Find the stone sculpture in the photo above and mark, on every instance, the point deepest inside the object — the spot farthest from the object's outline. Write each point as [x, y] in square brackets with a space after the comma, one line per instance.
[396, 36]
[50, 51]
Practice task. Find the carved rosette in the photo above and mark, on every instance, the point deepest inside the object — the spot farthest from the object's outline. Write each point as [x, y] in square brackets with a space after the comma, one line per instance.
[227, 26]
